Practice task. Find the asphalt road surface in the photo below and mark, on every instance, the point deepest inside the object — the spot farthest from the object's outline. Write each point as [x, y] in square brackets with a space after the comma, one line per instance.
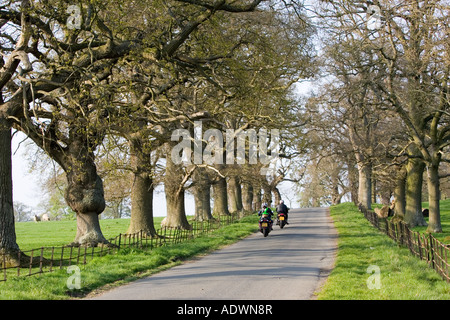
[289, 263]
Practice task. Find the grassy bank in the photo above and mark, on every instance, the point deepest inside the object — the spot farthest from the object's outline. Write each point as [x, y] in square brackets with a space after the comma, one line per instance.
[31, 235]
[363, 251]
[127, 265]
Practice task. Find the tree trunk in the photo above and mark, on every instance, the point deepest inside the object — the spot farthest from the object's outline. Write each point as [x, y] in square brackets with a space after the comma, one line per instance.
[315, 202]
[9, 249]
[202, 195]
[176, 214]
[386, 197]
[336, 196]
[276, 195]
[434, 221]
[352, 180]
[365, 185]
[267, 196]
[174, 191]
[141, 193]
[414, 181]
[234, 194]
[8, 244]
[258, 197]
[84, 193]
[220, 198]
[88, 230]
[202, 198]
[238, 191]
[363, 163]
[399, 195]
[374, 190]
[247, 196]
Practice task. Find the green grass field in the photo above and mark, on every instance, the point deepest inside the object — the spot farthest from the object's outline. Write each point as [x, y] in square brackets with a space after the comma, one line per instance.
[32, 235]
[363, 251]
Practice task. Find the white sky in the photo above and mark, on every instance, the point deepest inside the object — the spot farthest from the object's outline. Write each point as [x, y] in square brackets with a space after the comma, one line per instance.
[25, 186]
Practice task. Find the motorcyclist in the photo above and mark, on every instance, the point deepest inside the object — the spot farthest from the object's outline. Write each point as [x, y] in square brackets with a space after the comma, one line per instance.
[282, 208]
[268, 212]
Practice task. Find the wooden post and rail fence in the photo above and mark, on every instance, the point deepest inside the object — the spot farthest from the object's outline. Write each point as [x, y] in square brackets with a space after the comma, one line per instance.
[47, 259]
[424, 246]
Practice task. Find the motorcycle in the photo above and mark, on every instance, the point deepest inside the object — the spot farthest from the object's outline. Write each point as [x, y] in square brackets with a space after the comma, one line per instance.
[281, 220]
[265, 225]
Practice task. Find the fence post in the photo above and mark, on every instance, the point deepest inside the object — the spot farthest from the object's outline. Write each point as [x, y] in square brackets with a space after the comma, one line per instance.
[419, 245]
[84, 258]
[446, 264]
[426, 246]
[41, 259]
[31, 261]
[163, 236]
[400, 240]
[396, 232]
[62, 257]
[408, 239]
[377, 221]
[4, 265]
[51, 260]
[78, 255]
[70, 256]
[431, 251]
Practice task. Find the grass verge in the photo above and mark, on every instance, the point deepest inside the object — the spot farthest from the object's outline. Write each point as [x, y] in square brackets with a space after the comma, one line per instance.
[443, 236]
[127, 265]
[362, 251]
[31, 235]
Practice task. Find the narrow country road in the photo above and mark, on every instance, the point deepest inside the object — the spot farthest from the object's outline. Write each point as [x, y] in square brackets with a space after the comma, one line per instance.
[292, 262]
